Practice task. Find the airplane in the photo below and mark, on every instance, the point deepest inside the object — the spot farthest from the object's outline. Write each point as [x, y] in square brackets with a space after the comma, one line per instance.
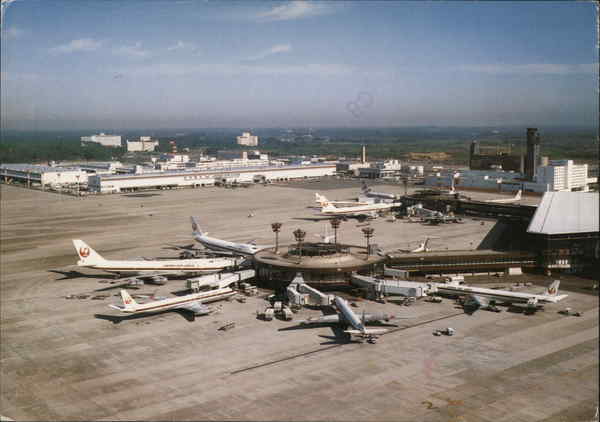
[480, 297]
[193, 303]
[368, 192]
[222, 245]
[421, 248]
[516, 198]
[360, 211]
[88, 257]
[347, 317]
[322, 201]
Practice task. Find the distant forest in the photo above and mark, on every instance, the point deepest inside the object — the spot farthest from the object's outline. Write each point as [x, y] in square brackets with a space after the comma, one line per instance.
[35, 147]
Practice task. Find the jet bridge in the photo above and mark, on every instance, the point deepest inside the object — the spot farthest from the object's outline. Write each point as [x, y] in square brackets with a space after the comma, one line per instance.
[382, 287]
[300, 293]
[218, 280]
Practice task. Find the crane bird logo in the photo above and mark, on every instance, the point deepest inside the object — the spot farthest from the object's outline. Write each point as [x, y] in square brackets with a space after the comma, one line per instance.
[552, 290]
[84, 252]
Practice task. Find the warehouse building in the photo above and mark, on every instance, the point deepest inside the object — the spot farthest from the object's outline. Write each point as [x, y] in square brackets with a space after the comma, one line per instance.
[198, 178]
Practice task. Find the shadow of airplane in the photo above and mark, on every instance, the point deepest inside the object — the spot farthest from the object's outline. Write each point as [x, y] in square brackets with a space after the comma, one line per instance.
[71, 274]
[117, 319]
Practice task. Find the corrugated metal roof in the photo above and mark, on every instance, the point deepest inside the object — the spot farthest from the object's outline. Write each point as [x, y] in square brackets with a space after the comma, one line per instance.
[566, 212]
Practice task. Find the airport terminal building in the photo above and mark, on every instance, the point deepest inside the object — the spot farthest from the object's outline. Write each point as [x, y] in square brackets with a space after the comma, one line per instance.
[199, 178]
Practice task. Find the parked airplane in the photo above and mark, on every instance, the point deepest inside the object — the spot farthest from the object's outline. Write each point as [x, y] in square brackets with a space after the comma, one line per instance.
[482, 297]
[222, 245]
[347, 317]
[88, 257]
[516, 198]
[368, 192]
[360, 211]
[192, 303]
[421, 248]
[322, 201]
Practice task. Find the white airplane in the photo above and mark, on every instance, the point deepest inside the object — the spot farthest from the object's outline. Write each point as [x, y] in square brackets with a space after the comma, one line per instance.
[192, 303]
[220, 245]
[421, 248]
[88, 257]
[482, 297]
[322, 201]
[516, 198]
[370, 210]
[347, 317]
[368, 192]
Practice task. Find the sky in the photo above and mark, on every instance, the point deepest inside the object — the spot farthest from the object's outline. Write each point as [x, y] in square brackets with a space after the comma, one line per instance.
[199, 64]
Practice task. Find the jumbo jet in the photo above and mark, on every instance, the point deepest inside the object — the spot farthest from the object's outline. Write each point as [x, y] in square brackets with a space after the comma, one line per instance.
[193, 303]
[368, 192]
[423, 247]
[347, 317]
[516, 198]
[88, 257]
[360, 211]
[480, 297]
[220, 245]
[322, 201]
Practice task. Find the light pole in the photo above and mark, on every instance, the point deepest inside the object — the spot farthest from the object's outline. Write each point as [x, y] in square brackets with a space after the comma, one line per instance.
[276, 227]
[299, 235]
[368, 232]
[335, 224]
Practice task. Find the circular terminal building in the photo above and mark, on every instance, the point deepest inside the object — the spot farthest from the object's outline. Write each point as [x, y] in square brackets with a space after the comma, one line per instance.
[321, 264]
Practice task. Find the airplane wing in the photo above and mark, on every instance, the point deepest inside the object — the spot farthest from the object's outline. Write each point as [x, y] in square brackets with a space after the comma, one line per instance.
[368, 331]
[196, 308]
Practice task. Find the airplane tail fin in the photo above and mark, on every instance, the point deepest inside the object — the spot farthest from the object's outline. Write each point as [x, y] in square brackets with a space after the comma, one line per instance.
[87, 256]
[328, 207]
[321, 199]
[552, 289]
[518, 195]
[128, 302]
[195, 226]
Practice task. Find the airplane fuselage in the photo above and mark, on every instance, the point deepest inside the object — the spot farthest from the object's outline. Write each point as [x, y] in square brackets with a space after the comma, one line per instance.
[500, 296]
[226, 246]
[182, 266]
[178, 302]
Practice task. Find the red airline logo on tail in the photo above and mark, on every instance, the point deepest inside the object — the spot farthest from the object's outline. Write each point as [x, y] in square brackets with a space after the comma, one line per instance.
[84, 252]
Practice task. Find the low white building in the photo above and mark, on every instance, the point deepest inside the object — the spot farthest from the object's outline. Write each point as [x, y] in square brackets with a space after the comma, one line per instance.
[145, 144]
[43, 175]
[247, 139]
[103, 139]
[197, 178]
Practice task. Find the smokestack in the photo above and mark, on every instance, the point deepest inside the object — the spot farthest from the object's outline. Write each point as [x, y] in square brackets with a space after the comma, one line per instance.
[363, 158]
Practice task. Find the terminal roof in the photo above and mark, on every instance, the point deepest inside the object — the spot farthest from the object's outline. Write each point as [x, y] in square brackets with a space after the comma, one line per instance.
[566, 212]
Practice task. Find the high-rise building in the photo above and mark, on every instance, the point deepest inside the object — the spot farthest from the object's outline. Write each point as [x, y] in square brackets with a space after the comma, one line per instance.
[247, 139]
[532, 159]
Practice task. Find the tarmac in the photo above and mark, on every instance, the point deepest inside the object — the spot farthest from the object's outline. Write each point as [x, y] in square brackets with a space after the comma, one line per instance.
[76, 359]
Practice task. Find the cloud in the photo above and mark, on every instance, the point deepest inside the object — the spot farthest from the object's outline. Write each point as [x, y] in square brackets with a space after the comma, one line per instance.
[276, 49]
[297, 9]
[75, 46]
[219, 69]
[133, 51]
[181, 45]
[531, 68]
